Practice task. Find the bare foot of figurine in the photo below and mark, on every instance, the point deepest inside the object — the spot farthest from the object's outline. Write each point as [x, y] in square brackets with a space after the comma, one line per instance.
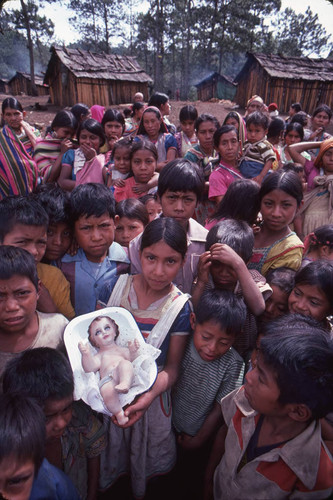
[123, 387]
[121, 418]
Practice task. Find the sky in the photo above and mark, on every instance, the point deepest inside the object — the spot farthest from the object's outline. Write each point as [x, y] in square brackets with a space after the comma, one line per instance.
[65, 33]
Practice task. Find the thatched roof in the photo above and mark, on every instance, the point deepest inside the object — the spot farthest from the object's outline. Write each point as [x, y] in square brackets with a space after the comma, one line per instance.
[294, 68]
[39, 79]
[217, 76]
[86, 64]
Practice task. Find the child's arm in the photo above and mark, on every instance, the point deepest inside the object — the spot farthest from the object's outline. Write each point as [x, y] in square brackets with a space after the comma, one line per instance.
[295, 150]
[65, 180]
[45, 302]
[252, 295]
[260, 177]
[93, 466]
[214, 459]
[29, 133]
[202, 278]
[212, 422]
[143, 188]
[90, 362]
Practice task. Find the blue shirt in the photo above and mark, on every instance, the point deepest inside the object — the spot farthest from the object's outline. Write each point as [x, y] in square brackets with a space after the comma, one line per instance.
[52, 484]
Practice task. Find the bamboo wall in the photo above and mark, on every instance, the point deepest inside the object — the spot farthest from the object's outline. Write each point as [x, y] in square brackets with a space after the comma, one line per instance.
[283, 92]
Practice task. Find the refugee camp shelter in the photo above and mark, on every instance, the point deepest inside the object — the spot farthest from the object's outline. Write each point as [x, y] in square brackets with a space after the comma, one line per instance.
[285, 80]
[217, 86]
[4, 87]
[76, 75]
[20, 84]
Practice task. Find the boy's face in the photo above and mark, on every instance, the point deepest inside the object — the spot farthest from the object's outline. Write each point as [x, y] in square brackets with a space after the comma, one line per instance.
[18, 302]
[153, 208]
[31, 238]
[58, 414]
[59, 239]
[210, 340]
[255, 133]
[95, 235]
[261, 389]
[102, 332]
[187, 127]
[276, 304]
[179, 205]
[224, 277]
[16, 478]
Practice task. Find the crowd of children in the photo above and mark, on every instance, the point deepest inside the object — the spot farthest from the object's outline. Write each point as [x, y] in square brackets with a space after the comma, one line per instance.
[219, 241]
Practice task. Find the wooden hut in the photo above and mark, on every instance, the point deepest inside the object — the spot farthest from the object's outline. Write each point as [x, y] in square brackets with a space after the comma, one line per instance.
[217, 86]
[285, 80]
[4, 87]
[21, 84]
[75, 75]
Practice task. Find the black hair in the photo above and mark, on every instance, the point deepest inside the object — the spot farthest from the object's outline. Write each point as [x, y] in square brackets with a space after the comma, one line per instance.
[168, 230]
[158, 99]
[20, 210]
[292, 167]
[17, 261]
[321, 236]
[91, 199]
[237, 234]
[148, 197]
[136, 106]
[80, 109]
[42, 373]
[151, 109]
[302, 359]
[140, 144]
[289, 182]
[225, 129]
[231, 114]
[56, 203]
[275, 128]
[127, 112]
[99, 318]
[12, 103]
[232, 205]
[301, 117]
[64, 118]
[295, 127]
[259, 119]
[322, 108]
[205, 117]
[94, 127]
[318, 273]
[282, 277]
[181, 175]
[188, 112]
[125, 142]
[296, 106]
[132, 209]
[22, 429]
[221, 307]
[112, 115]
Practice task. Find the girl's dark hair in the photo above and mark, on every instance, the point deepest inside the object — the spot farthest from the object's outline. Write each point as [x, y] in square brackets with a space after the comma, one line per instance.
[206, 118]
[322, 108]
[42, 373]
[275, 128]
[258, 118]
[181, 175]
[168, 230]
[12, 103]
[132, 209]
[125, 142]
[140, 144]
[158, 99]
[289, 182]
[232, 114]
[22, 429]
[282, 277]
[136, 106]
[64, 118]
[225, 129]
[236, 234]
[157, 113]
[296, 106]
[300, 117]
[17, 261]
[295, 127]
[188, 113]
[318, 273]
[55, 201]
[80, 109]
[91, 199]
[112, 115]
[233, 206]
[94, 127]
[322, 236]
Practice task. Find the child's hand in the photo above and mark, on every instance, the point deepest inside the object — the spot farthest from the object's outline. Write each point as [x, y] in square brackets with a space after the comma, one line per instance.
[119, 183]
[88, 152]
[140, 188]
[136, 410]
[188, 442]
[73, 248]
[204, 267]
[225, 254]
[316, 133]
[83, 348]
[65, 145]
[257, 179]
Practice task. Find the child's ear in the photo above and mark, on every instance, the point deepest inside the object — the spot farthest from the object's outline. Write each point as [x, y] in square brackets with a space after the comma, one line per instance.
[39, 288]
[324, 251]
[192, 320]
[300, 412]
[116, 220]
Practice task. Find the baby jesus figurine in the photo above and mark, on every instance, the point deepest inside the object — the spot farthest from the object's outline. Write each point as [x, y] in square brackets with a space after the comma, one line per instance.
[113, 362]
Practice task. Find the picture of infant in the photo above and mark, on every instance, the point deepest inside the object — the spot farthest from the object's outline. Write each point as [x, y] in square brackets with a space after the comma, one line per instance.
[113, 362]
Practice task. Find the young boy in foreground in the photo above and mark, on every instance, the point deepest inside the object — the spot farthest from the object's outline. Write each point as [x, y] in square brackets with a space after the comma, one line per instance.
[271, 439]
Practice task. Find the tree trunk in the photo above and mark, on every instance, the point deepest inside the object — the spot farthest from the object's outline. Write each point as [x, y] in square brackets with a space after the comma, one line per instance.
[30, 48]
